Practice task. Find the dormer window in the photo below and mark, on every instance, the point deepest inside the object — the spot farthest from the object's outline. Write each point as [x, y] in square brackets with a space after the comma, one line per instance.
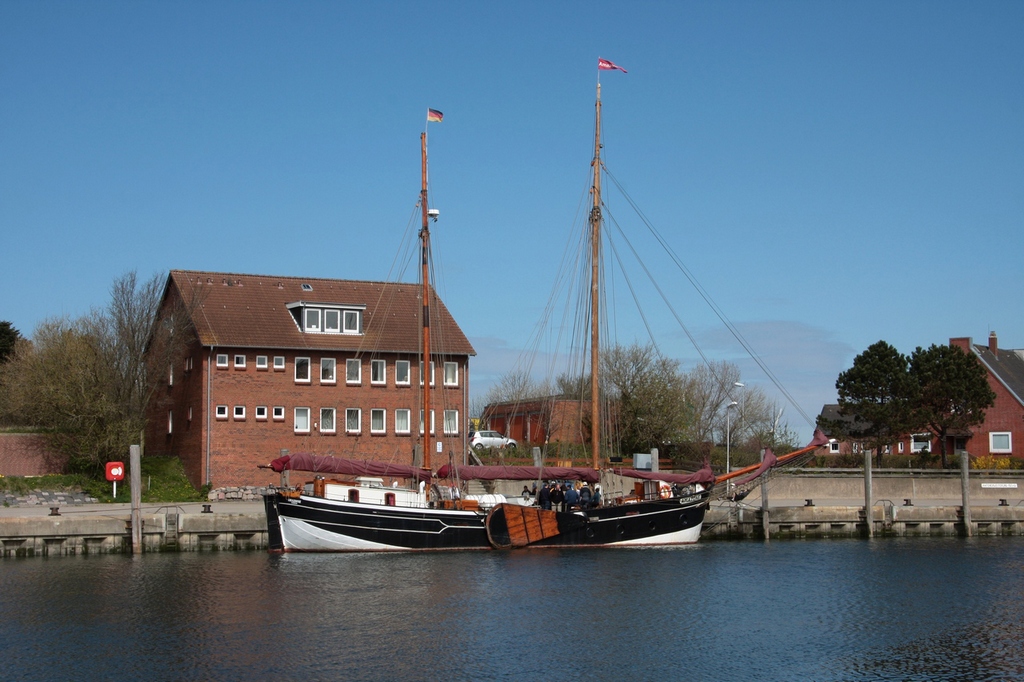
[327, 318]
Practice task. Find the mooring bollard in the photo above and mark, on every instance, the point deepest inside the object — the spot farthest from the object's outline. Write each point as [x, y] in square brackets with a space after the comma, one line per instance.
[808, 502]
[54, 511]
[907, 502]
[1003, 503]
[206, 509]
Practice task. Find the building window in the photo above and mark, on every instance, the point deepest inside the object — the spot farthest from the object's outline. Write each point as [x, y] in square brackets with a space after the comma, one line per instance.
[402, 373]
[261, 412]
[170, 375]
[378, 372]
[332, 321]
[188, 364]
[353, 371]
[451, 374]
[431, 372]
[353, 420]
[222, 359]
[1000, 441]
[327, 420]
[377, 421]
[301, 420]
[261, 362]
[302, 370]
[920, 442]
[402, 421]
[239, 413]
[451, 422]
[312, 319]
[239, 362]
[279, 363]
[190, 414]
[328, 373]
[431, 422]
[279, 413]
[833, 447]
[352, 325]
[900, 447]
[222, 412]
[170, 421]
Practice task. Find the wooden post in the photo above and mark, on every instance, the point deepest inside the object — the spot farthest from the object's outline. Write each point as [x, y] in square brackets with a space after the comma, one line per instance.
[867, 493]
[655, 455]
[764, 503]
[285, 478]
[135, 465]
[965, 491]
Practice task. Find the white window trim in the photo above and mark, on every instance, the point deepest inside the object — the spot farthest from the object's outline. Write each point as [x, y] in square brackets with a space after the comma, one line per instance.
[222, 412]
[309, 371]
[432, 369]
[359, 374]
[359, 416]
[295, 420]
[384, 378]
[384, 420]
[306, 326]
[991, 442]
[445, 369]
[333, 329]
[917, 446]
[334, 420]
[431, 422]
[833, 447]
[408, 373]
[261, 362]
[240, 361]
[454, 431]
[238, 414]
[334, 370]
[222, 360]
[278, 413]
[261, 412]
[408, 421]
[345, 329]
[170, 422]
[278, 363]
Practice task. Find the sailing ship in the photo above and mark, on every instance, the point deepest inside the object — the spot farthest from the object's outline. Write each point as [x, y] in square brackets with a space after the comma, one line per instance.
[359, 512]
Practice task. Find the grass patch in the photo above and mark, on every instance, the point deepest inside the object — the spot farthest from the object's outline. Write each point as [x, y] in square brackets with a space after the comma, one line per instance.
[163, 480]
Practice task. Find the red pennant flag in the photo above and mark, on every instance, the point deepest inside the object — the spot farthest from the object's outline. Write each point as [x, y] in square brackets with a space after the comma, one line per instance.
[605, 65]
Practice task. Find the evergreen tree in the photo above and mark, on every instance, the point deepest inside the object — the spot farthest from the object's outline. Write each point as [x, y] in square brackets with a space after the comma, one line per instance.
[8, 338]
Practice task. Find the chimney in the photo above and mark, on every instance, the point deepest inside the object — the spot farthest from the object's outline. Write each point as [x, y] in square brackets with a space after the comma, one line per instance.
[993, 344]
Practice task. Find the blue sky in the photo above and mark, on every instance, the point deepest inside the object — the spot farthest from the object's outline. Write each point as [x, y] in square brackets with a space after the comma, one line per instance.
[833, 173]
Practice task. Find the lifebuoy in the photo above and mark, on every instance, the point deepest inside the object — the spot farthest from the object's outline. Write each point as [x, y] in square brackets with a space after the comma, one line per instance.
[665, 490]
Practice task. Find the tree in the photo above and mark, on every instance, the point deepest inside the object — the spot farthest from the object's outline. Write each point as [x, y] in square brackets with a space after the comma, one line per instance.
[8, 339]
[876, 396]
[953, 391]
[708, 393]
[87, 381]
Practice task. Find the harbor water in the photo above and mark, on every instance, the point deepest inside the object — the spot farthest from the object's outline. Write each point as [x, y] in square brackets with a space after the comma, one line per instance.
[890, 609]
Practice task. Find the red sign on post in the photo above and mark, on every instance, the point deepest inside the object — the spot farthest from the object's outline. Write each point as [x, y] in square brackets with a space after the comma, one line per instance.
[115, 471]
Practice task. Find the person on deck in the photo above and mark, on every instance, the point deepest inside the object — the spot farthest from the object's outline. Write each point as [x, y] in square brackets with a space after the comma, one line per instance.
[572, 499]
[557, 497]
[545, 497]
[586, 494]
[596, 501]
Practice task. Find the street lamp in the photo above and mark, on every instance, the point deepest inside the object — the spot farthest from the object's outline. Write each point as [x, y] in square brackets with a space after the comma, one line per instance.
[728, 435]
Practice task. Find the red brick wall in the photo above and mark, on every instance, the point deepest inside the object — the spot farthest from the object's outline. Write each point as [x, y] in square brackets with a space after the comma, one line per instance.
[1006, 415]
[26, 454]
[238, 446]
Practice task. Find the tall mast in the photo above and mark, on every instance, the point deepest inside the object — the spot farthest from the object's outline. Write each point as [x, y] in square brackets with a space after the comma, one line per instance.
[425, 248]
[595, 284]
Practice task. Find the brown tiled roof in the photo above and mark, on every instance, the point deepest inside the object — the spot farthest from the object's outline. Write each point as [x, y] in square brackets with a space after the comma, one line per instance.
[250, 311]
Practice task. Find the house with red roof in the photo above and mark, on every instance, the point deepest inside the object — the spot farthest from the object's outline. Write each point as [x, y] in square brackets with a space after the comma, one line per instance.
[327, 366]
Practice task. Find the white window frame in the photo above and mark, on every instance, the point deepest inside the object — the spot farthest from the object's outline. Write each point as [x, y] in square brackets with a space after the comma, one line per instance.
[403, 414]
[333, 413]
[901, 447]
[332, 375]
[278, 363]
[431, 422]
[992, 442]
[222, 360]
[261, 362]
[238, 414]
[917, 446]
[399, 364]
[170, 375]
[279, 413]
[222, 412]
[295, 423]
[454, 367]
[381, 414]
[432, 369]
[833, 447]
[358, 364]
[170, 422]
[348, 317]
[336, 327]
[451, 422]
[261, 413]
[240, 361]
[306, 314]
[383, 379]
[349, 412]
[298, 361]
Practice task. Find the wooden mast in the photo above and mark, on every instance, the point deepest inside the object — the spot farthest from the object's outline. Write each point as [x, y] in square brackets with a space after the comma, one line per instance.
[595, 284]
[425, 249]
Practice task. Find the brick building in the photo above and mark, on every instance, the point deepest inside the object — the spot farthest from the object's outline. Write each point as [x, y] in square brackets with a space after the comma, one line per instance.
[1002, 432]
[308, 365]
[540, 421]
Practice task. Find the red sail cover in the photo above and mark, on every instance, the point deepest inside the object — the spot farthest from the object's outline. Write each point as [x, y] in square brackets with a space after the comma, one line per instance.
[322, 464]
[509, 473]
[767, 463]
[705, 476]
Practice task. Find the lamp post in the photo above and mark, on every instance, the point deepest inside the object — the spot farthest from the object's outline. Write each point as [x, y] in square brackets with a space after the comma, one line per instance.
[728, 432]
